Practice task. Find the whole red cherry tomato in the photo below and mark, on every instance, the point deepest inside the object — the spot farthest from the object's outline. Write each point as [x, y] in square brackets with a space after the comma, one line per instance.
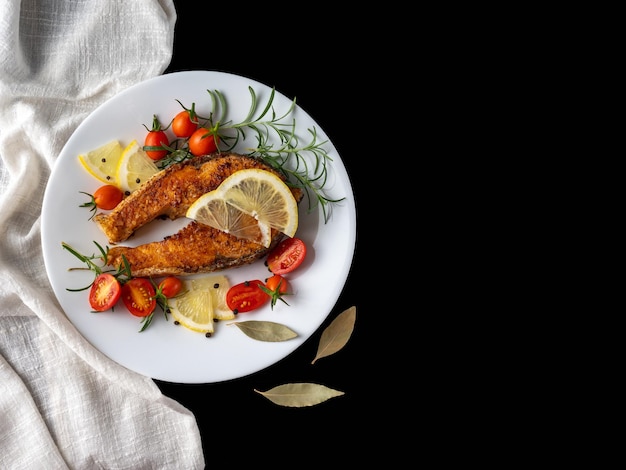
[183, 124]
[276, 287]
[107, 197]
[170, 286]
[156, 141]
[202, 142]
[277, 283]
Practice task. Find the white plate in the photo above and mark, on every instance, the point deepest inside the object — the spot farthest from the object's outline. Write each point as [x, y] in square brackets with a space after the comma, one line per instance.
[165, 351]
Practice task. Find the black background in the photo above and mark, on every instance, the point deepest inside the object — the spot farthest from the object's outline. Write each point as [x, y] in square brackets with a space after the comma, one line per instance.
[326, 77]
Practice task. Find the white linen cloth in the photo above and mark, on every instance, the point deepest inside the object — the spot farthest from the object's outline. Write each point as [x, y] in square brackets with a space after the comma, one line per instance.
[63, 404]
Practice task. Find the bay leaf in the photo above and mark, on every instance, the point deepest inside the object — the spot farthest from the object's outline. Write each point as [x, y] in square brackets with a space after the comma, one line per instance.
[337, 334]
[298, 395]
[266, 330]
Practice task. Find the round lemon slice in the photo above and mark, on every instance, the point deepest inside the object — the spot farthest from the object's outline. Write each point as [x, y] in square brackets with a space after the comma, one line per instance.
[134, 168]
[103, 161]
[258, 193]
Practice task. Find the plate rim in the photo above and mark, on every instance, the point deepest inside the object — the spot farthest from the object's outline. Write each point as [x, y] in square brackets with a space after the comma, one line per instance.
[136, 88]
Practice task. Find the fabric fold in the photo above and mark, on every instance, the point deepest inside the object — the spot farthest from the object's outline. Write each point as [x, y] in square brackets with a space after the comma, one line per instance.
[63, 404]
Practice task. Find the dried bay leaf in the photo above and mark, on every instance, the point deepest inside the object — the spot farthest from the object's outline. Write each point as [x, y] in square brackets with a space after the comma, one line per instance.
[266, 330]
[298, 395]
[337, 334]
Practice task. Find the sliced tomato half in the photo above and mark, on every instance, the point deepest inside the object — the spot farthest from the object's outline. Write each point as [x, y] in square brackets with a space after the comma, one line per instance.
[246, 296]
[105, 292]
[287, 256]
[139, 296]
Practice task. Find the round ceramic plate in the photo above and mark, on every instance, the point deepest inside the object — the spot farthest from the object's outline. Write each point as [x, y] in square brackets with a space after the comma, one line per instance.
[165, 351]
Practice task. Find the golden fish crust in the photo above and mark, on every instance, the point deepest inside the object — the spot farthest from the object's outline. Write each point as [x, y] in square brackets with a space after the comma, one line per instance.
[170, 192]
[196, 248]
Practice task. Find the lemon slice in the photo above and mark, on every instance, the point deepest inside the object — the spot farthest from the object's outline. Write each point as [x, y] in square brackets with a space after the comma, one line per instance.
[102, 162]
[194, 310]
[134, 168]
[258, 193]
[218, 286]
[216, 212]
[201, 302]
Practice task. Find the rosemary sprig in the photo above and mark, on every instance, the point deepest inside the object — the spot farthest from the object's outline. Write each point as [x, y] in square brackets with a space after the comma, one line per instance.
[300, 173]
[122, 273]
[161, 301]
[289, 156]
[304, 165]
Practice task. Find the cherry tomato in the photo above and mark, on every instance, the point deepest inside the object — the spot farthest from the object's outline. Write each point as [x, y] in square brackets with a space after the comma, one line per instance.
[155, 140]
[105, 292]
[277, 283]
[139, 296]
[183, 125]
[170, 286]
[202, 142]
[246, 296]
[107, 196]
[287, 256]
[276, 287]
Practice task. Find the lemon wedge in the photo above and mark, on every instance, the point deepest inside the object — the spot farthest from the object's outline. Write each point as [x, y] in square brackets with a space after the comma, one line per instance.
[103, 161]
[217, 213]
[194, 310]
[259, 194]
[201, 302]
[218, 286]
[134, 168]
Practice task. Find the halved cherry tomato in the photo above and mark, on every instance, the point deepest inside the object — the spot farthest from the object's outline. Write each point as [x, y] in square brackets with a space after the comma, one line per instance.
[287, 256]
[155, 140]
[170, 286]
[107, 197]
[139, 296]
[105, 292]
[276, 287]
[183, 125]
[202, 142]
[246, 296]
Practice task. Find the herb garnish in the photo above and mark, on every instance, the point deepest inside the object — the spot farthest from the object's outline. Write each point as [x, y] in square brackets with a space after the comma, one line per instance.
[123, 274]
[291, 157]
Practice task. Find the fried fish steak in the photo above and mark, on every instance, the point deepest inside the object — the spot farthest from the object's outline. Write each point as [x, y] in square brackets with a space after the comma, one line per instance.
[170, 192]
[196, 248]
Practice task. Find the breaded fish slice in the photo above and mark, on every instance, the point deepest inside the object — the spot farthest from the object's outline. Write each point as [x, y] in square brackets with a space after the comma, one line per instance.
[170, 192]
[196, 248]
